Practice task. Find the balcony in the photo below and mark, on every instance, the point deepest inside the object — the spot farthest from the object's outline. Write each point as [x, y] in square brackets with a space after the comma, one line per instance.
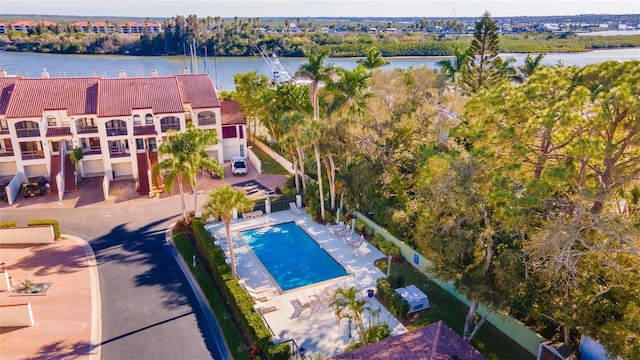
[116, 131]
[87, 129]
[118, 154]
[92, 151]
[167, 127]
[6, 153]
[31, 155]
[24, 133]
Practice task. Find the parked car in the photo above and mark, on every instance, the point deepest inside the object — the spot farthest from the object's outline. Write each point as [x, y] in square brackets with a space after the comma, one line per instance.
[238, 166]
[30, 189]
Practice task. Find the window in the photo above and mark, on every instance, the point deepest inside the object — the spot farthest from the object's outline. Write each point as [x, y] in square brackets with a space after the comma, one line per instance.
[27, 129]
[55, 146]
[51, 120]
[148, 119]
[116, 127]
[3, 124]
[169, 123]
[229, 132]
[65, 121]
[140, 144]
[206, 118]
[86, 125]
[137, 120]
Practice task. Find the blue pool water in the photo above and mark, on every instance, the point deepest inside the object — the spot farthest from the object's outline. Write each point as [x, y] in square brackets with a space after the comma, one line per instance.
[291, 256]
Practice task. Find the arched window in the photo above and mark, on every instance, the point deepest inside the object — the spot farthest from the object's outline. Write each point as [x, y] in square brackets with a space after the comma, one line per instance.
[148, 119]
[137, 120]
[86, 125]
[27, 129]
[116, 127]
[206, 118]
[51, 120]
[169, 123]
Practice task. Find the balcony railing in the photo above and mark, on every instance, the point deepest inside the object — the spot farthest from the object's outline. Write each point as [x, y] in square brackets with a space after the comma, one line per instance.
[92, 151]
[30, 155]
[6, 152]
[116, 131]
[87, 129]
[22, 133]
[167, 127]
[118, 154]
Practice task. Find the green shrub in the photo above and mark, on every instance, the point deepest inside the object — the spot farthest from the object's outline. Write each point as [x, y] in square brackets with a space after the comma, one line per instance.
[396, 304]
[396, 281]
[239, 301]
[387, 247]
[7, 224]
[54, 223]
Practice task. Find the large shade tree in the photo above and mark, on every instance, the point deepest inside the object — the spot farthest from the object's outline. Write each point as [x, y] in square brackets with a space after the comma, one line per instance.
[221, 203]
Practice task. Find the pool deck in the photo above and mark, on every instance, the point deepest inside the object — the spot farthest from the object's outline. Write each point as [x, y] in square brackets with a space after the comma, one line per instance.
[314, 326]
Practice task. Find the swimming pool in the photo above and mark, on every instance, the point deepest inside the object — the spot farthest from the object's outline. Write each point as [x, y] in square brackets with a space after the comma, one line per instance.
[291, 256]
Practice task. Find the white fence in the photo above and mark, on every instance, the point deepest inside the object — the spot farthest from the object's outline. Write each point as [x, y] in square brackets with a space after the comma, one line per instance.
[277, 157]
[27, 235]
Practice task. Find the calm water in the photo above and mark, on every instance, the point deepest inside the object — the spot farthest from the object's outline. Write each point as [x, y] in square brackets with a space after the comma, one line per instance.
[222, 69]
[291, 256]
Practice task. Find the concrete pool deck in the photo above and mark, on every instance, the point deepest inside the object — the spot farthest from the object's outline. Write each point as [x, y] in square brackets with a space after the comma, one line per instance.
[314, 327]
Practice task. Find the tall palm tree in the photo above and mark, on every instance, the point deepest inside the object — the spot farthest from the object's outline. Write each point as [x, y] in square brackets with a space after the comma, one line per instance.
[453, 69]
[185, 155]
[315, 70]
[373, 59]
[530, 66]
[220, 204]
[312, 133]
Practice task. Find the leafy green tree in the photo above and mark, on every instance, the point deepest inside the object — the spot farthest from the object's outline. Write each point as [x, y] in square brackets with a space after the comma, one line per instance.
[315, 70]
[220, 204]
[530, 66]
[485, 69]
[349, 93]
[76, 156]
[373, 59]
[348, 305]
[248, 87]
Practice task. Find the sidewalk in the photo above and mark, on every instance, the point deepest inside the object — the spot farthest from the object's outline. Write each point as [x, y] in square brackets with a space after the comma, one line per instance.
[67, 317]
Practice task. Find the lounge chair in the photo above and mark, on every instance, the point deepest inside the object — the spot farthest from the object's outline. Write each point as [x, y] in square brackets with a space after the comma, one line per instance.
[294, 208]
[299, 307]
[362, 250]
[252, 214]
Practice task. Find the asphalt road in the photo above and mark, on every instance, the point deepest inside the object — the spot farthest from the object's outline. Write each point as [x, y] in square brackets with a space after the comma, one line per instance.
[148, 309]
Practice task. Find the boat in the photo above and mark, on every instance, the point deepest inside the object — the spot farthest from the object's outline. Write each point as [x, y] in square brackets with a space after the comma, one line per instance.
[279, 74]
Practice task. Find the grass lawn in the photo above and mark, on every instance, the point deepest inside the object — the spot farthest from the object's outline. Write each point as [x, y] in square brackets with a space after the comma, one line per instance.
[232, 336]
[269, 166]
[491, 342]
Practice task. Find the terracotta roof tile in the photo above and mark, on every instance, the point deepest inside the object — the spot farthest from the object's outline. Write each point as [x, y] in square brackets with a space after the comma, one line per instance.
[118, 97]
[198, 90]
[31, 97]
[231, 114]
[58, 131]
[434, 342]
[7, 85]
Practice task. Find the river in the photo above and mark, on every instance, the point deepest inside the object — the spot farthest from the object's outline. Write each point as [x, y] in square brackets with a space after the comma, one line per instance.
[222, 69]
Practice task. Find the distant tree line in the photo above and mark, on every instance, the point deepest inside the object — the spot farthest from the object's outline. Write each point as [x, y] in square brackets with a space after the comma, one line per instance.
[240, 37]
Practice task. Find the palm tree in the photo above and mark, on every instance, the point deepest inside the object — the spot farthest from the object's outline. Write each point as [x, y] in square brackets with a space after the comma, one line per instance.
[186, 155]
[312, 133]
[454, 68]
[347, 305]
[530, 66]
[373, 59]
[349, 92]
[220, 204]
[315, 70]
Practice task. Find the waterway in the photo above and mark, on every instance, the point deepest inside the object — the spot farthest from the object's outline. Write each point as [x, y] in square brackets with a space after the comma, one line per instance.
[222, 69]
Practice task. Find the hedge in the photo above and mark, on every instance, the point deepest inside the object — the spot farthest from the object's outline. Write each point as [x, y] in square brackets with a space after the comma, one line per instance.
[238, 299]
[54, 223]
[7, 224]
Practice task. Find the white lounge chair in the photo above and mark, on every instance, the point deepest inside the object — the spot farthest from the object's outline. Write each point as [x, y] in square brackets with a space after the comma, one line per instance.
[294, 208]
[362, 250]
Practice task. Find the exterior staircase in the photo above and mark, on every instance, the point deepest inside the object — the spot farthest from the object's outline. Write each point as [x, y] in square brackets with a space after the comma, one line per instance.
[156, 182]
[143, 173]
[69, 178]
[55, 169]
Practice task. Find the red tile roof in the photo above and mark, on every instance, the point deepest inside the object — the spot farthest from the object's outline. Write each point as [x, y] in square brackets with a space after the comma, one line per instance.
[198, 90]
[118, 97]
[7, 85]
[434, 342]
[231, 114]
[31, 97]
[58, 131]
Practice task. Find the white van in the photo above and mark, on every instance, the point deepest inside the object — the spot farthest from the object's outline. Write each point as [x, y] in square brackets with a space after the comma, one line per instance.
[238, 166]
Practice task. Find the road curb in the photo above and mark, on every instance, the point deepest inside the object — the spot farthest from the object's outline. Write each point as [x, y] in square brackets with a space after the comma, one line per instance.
[212, 322]
[96, 302]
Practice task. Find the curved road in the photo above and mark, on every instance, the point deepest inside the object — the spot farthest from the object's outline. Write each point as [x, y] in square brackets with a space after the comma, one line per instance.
[148, 309]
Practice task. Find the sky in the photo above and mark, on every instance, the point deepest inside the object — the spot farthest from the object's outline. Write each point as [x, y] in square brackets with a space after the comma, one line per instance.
[318, 8]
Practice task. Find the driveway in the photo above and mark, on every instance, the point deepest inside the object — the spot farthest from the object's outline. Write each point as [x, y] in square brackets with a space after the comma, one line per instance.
[148, 309]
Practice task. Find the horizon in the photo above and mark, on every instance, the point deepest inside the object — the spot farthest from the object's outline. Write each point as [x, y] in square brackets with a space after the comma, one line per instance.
[318, 8]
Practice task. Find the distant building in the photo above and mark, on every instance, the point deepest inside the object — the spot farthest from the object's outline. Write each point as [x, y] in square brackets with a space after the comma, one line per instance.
[26, 25]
